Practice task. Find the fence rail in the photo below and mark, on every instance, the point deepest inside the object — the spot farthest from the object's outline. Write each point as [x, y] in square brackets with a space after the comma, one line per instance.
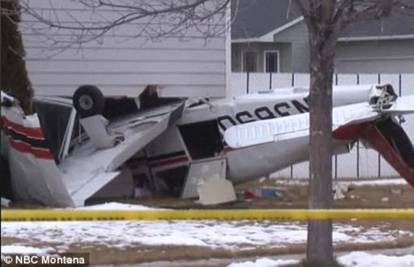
[361, 162]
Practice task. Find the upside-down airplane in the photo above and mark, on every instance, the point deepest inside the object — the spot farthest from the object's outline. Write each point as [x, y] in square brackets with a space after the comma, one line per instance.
[87, 147]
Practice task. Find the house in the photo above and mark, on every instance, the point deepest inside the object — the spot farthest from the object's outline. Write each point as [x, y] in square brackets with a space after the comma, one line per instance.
[125, 59]
[271, 36]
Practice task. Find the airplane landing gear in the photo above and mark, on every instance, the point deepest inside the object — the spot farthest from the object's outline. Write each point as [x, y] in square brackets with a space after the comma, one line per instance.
[88, 100]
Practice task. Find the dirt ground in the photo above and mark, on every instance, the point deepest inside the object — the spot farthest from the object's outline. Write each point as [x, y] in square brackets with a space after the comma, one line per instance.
[291, 196]
[296, 196]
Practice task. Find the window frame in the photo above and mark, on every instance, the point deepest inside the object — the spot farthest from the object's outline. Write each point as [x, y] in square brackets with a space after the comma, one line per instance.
[242, 60]
[265, 52]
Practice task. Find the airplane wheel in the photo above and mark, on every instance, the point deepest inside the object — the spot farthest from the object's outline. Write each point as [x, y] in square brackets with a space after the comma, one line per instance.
[88, 100]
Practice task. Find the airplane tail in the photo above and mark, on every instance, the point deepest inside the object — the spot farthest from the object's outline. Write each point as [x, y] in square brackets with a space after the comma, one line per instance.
[42, 168]
[388, 138]
[34, 173]
[392, 142]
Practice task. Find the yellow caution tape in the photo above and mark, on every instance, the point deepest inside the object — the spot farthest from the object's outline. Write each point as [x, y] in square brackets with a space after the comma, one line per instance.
[203, 214]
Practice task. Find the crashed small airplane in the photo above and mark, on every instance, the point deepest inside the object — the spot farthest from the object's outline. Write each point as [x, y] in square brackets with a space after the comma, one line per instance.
[90, 147]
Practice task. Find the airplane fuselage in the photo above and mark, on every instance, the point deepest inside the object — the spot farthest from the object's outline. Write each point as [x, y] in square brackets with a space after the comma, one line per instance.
[197, 136]
[167, 144]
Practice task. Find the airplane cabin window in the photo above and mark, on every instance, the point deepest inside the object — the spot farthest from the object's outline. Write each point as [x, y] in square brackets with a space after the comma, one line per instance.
[202, 139]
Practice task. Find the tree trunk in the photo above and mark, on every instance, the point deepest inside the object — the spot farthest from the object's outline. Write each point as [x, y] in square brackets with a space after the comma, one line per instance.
[14, 77]
[322, 46]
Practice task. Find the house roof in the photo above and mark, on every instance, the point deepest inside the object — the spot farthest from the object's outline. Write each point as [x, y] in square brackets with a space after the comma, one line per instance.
[395, 25]
[254, 19]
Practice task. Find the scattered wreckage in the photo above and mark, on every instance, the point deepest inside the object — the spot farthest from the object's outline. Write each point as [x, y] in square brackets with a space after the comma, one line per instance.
[90, 147]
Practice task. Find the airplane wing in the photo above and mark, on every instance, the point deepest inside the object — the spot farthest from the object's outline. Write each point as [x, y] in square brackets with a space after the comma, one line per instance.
[88, 169]
[296, 126]
[372, 123]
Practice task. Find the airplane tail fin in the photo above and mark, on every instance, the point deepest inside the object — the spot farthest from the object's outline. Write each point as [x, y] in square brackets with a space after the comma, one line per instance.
[34, 173]
[391, 141]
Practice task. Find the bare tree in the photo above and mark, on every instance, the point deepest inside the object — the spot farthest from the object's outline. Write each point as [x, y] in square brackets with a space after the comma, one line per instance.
[14, 77]
[325, 20]
[150, 19]
[60, 27]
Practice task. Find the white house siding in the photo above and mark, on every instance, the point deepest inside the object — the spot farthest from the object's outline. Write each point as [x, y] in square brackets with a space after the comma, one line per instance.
[120, 63]
[381, 56]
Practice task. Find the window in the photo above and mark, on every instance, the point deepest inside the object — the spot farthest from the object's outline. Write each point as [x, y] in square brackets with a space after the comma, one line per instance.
[271, 61]
[249, 62]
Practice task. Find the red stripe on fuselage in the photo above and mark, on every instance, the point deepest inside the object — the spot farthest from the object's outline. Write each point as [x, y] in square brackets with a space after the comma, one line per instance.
[168, 161]
[35, 133]
[23, 147]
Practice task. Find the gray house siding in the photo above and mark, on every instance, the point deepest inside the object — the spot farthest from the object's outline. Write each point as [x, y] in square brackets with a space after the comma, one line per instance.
[297, 35]
[381, 56]
[291, 43]
[238, 49]
[377, 56]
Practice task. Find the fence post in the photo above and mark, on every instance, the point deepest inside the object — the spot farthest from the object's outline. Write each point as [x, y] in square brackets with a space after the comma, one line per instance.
[247, 82]
[270, 80]
[379, 155]
[399, 85]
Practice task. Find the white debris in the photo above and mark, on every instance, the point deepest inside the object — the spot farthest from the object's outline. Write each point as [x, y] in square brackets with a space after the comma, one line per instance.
[340, 190]
[216, 190]
[363, 259]
[5, 202]
[19, 249]
[264, 262]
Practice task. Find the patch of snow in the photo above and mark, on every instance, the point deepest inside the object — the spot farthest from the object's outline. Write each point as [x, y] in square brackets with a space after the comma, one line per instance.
[117, 206]
[364, 259]
[353, 259]
[19, 249]
[376, 182]
[355, 183]
[224, 234]
[263, 262]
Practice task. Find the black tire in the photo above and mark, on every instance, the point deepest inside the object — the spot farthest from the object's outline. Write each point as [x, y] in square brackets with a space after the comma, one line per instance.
[88, 100]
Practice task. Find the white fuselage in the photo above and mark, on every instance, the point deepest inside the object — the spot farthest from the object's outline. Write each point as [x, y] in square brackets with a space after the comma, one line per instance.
[172, 149]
